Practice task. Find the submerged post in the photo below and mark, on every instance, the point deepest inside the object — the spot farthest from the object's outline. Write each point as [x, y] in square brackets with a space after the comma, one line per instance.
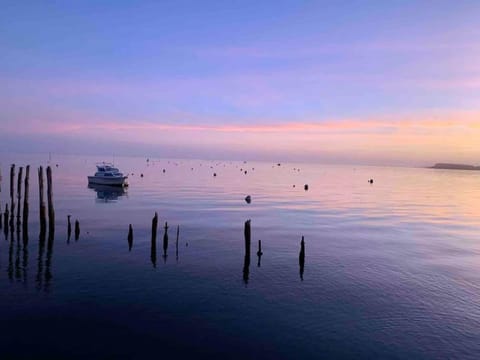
[12, 191]
[130, 237]
[51, 211]
[246, 260]
[301, 257]
[43, 211]
[259, 252]
[153, 248]
[69, 227]
[5, 218]
[25, 199]
[77, 230]
[19, 194]
[165, 241]
[176, 242]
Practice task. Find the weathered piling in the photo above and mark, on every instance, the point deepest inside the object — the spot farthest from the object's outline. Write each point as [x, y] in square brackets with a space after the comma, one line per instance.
[301, 257]
[77, 230]
[130, 237]
[25, 200]
[51, 211]
[42, 211]
[153, 248]
[247, 233]
[19, 195]
[165, 241]
[176, 242]
[12, 197]
[259, 252]
[5, 218]
[69, 228]
[246, 260]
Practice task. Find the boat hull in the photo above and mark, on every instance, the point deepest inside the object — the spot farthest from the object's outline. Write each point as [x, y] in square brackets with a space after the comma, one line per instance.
[115, 181]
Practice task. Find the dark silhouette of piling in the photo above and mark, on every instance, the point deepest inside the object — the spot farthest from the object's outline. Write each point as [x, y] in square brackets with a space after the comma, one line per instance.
[5, 217]
[153, 248]
[69, 228]
[165, 241]
[305, 187]
[42, 211]
[247, 233]
[41, 250]
[130, 237]
[51, 211]
[176, 242]
[77, 230]
[259, 252]
[25, 200]
[12, 197]
[19, 195]
[301, 257]
[246, 261]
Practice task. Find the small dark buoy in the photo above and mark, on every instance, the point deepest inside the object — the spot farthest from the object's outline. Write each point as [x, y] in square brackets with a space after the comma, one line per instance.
[245, 172]
[141, 175]
[248, 199]
[293, 185]
[214, 174]
[305, 187]
[278, 164]
[56, 165]
[163, 171]
[370, 181]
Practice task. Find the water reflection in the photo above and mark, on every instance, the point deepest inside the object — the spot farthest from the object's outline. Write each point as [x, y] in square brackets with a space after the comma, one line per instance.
[106, 193]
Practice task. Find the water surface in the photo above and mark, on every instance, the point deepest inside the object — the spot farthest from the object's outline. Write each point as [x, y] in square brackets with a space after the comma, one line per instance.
[391, 268]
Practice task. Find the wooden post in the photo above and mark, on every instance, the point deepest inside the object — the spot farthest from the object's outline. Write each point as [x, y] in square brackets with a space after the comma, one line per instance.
[19, 195]
[5, 218]
[176, 242]
[247, 233]
[25, 199]
[77, 230]
[51, 211]
[12, 192]
[246, 260]
[130, 237]
[259, 252]
[43, 212]
[165, 241]
[301, 257]
[153, 248]
[69, 227]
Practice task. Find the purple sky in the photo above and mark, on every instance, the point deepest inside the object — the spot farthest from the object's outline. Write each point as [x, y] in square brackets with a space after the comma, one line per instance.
[365, 81]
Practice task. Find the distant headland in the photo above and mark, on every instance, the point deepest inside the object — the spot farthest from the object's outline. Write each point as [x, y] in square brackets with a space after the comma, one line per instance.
[454, 166]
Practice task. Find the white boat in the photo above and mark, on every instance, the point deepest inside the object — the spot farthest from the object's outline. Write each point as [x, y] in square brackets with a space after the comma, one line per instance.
[107, 174]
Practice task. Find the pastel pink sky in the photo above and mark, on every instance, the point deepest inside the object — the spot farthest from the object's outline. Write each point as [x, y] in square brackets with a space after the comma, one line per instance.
[372, 82]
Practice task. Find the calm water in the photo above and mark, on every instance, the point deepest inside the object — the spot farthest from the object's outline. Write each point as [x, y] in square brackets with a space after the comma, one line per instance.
[392, 270]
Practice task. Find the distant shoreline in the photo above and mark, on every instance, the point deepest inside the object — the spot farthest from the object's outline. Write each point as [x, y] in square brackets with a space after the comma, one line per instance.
[447, 166]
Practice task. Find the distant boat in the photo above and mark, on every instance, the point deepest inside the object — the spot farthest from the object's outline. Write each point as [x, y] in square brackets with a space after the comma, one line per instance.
[107, 174]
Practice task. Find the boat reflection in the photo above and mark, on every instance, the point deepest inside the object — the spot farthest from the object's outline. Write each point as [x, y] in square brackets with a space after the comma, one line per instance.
[106, 193]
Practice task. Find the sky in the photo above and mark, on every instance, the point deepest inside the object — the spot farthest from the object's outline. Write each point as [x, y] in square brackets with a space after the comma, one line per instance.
[368, 82]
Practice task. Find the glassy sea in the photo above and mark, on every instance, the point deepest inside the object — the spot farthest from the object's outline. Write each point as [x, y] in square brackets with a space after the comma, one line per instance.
[391, 269]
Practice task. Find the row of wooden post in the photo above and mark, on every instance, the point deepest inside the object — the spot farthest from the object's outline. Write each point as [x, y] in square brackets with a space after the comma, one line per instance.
[8, 219]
